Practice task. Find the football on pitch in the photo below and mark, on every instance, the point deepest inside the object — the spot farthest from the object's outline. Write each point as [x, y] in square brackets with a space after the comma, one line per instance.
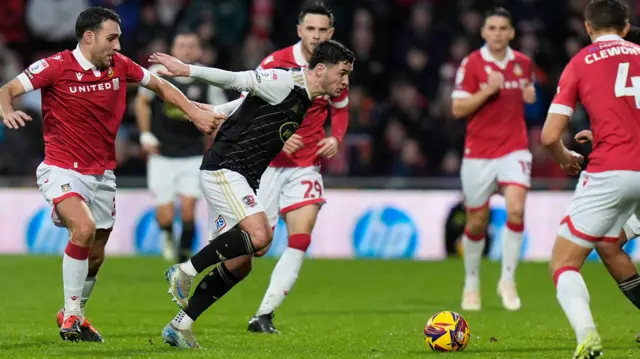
[447, 332]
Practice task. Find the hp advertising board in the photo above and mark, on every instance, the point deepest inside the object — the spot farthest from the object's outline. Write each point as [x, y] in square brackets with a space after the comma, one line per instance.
[353, 224]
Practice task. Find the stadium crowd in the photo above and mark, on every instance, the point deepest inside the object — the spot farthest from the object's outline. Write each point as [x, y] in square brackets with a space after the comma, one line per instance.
[407, 52]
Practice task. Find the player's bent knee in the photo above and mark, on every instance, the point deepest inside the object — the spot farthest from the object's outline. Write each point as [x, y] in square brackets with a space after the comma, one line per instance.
[82, 233]
[477, 222]
[261, 238]
[515, 214]
[263, 251]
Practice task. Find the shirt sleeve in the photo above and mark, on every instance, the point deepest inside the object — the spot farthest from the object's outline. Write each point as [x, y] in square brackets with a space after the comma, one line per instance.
[272, 86]
[466, 80]
[136, 73]
[228, 108]
[267, 63]
[42, 73]
[145, 91]
[564, 102]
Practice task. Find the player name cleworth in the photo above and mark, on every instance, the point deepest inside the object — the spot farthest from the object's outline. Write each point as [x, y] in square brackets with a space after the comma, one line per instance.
[610, 52]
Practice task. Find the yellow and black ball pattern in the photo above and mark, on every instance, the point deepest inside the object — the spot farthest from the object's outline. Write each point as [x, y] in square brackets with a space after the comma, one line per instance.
[447, 332]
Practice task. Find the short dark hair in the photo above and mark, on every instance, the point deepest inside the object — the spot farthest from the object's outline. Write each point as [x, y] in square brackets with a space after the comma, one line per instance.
[607, 14]
[317, 8]
[499, 11]
[92, 18]
[331, 53]
[186, 32]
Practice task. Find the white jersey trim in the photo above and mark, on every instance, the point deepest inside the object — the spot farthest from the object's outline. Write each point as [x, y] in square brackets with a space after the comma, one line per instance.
[340, 104]
[460, 94]
[560, 109]
[146, 77]
[26, 83]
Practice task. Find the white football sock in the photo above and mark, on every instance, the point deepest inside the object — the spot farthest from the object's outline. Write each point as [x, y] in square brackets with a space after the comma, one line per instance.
[188, 268]
[511, 247]
[573, 296]
[86, 291]
[182, 321]
[472, 258]
[74, 274]
[282, 280]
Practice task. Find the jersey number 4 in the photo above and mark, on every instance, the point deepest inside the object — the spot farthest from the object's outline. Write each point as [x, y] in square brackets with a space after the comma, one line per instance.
[621, 88]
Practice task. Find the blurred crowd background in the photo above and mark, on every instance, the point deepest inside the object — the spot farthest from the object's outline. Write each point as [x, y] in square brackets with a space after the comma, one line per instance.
[407, 52]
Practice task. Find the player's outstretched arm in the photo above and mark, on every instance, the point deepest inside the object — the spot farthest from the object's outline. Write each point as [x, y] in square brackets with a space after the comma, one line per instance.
[270, 85]
[205, 121]
[10, 117]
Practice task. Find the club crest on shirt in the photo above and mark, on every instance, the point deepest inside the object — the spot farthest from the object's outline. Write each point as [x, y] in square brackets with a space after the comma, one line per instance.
[249, 201]
[65, 188]
[287, 130]
[517, 70]
[110, 72]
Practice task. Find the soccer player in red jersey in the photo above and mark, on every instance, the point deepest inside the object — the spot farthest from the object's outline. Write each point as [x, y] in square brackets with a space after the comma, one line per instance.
[608, 191]
[492, 86]
[83, 100]
[615, 259]
[292, 184]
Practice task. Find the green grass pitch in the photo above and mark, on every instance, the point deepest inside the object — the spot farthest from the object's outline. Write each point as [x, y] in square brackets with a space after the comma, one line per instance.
[338, 309]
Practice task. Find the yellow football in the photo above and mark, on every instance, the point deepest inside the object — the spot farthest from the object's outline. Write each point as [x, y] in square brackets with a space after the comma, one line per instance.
[447, 332]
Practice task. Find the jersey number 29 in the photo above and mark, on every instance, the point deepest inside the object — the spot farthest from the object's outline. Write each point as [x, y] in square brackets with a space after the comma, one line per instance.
[621, 88]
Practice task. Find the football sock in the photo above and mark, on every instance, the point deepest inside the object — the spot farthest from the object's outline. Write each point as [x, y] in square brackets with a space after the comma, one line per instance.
[168, 243]
[473, 247]
[573, 296]
[75, 266]
[211, 288]
[511, 246]
[631, 289]
[285, 273]
[89, 282]
[182, 321]
[233, 243]
[186, 240]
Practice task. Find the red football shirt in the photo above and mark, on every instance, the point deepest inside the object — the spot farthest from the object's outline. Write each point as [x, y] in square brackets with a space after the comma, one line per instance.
[82, 107]
[312, 128]
[498, 127]
[605, 78]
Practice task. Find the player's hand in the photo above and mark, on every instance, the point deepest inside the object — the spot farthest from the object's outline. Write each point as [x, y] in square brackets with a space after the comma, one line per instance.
[495, 81]
[206, 121]
[572, 166]
[584, 136]
[293, 144]
[529, 93]
[204, 106]
[328, 147]
[149, 143]
[172, 66]
[15, 119]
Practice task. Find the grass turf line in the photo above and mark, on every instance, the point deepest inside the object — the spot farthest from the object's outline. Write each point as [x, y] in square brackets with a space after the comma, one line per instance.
[338, 309]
